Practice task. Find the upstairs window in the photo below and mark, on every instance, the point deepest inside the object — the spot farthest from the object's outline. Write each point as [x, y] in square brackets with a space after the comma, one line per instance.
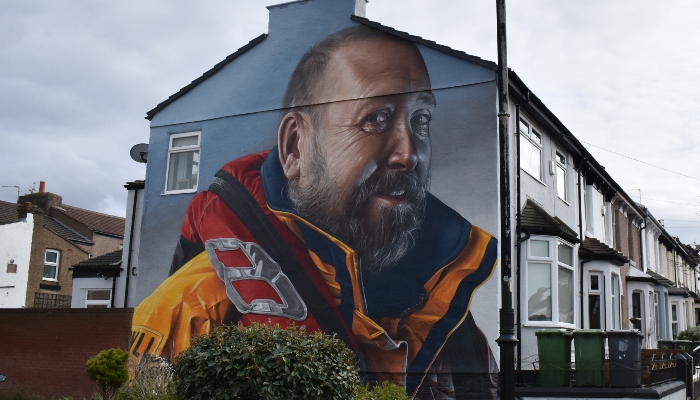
[560, 171]
[530, 150]
[51, 259]
[183, 163]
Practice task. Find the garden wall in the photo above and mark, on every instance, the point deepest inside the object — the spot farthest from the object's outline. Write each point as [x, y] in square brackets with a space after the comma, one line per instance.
[43, 351]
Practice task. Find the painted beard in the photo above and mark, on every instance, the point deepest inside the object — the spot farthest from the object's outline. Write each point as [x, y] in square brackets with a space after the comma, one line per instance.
[380, 242]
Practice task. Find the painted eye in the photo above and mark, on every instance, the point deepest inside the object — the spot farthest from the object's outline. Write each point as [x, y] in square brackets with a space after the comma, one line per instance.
[420, 123]
[376, 122]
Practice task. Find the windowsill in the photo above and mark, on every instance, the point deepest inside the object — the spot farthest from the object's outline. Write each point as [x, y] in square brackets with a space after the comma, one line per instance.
[565, 202]
[545, 324]
[49, 280]
[179, 192]
[535, 178]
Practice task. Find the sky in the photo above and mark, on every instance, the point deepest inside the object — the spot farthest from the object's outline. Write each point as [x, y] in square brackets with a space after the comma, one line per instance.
[77, 78]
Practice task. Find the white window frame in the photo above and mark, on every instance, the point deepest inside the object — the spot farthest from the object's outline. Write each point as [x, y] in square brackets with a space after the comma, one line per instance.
[600, 292]
[616, 300]
[676, 331]
[182, 149]
[553, 261]
[107, 303]
[561, 166]
[53, 264]
[534, 136]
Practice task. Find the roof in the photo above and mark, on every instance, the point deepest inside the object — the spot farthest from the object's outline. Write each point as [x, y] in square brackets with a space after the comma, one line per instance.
[65, 232]
[98, 222]
[594, 249]
[135, 185]
[427, 43]
[8, 213]
[534, 219]
[660, 278]
[216, 68]
[678, 291]
[109, 260]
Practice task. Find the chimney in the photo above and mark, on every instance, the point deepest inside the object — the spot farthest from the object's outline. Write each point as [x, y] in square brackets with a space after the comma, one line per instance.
[308, 21]
[42, 199]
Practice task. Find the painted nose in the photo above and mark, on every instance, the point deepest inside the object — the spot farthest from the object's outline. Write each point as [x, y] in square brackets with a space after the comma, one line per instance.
[404, 156]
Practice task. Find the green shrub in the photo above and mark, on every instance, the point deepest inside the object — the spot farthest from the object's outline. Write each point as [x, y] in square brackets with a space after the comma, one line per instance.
[383, 391]
[152, 379]
[261, 362]
[690, 334]
[108, 370]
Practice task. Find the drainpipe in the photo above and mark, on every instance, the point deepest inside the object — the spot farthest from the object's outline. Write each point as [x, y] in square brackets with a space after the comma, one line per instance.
[580, 232]
[131, 245]
[518, 229]
[114, 287]
[506, 339]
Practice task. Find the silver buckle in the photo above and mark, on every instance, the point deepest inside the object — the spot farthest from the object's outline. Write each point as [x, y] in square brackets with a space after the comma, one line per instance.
[264, 268]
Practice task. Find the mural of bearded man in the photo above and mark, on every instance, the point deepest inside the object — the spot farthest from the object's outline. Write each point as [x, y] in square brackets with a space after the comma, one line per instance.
[334, 229]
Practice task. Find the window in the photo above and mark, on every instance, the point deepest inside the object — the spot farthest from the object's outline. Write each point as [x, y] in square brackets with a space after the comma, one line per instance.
[183, 163]
[615, 296]
[595, 307]
[548, 279]
[560, 167]
[636, 310]
[657, 315]
[51, 259]
[530, 150]
[98, 298]
[674, 320]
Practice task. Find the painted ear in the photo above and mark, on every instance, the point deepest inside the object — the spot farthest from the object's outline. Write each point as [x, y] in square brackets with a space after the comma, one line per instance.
[290, 141]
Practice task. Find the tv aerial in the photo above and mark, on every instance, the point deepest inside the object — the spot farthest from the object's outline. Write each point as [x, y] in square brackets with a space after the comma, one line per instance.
[139, 152]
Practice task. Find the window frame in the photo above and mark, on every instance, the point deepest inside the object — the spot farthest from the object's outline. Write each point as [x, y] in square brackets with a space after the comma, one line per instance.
[559, 166]
[182, 149]
[98, 303]
[555, 264]
[55, 264]
[616, 299]
[600, 292]
[527, 135]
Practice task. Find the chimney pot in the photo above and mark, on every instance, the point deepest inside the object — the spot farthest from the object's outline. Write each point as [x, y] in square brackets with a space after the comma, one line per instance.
[42, 186]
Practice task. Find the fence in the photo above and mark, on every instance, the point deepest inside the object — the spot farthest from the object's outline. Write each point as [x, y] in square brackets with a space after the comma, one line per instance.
[50, 300]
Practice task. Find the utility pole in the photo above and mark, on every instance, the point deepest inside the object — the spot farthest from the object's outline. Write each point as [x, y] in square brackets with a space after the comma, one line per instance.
[506, 340]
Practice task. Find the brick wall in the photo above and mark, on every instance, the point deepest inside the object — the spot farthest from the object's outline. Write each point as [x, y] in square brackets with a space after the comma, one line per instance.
[43, 351]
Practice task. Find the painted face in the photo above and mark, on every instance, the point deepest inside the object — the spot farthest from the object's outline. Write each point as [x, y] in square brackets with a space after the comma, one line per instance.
[368, 164]
[376, 117]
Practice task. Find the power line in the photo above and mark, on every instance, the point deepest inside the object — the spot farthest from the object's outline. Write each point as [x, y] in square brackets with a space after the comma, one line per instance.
[640, 161]
[673, 202]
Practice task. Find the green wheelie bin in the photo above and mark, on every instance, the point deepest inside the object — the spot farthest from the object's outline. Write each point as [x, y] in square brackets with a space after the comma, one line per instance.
[685, 345]
[589, 356]
[554, 349]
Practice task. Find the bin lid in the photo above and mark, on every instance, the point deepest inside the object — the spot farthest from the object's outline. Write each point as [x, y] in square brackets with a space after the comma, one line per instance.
[684, 341]
[589, 332]
[625, 332]
[553, 331]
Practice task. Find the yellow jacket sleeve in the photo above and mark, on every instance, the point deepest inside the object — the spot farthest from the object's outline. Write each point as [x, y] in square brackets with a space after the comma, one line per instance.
[189, 303]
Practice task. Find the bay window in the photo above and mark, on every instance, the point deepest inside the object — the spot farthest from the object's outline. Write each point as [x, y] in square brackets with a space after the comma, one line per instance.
[550, 281]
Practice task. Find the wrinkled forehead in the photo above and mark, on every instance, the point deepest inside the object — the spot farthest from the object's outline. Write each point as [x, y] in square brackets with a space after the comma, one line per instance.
[373, 67]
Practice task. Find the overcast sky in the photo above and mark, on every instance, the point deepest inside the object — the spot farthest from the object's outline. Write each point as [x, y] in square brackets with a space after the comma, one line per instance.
[77, 77]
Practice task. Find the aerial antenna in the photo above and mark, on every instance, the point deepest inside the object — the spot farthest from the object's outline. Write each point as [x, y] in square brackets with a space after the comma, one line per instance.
[12, 186]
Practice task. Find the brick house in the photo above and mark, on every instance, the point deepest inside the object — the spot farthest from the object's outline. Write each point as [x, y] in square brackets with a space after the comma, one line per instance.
[61, 236]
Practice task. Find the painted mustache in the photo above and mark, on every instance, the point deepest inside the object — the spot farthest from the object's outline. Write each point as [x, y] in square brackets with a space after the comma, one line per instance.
[390, 183]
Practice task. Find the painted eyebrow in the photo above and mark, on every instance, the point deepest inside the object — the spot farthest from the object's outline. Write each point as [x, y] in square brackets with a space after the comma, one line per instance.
[427, 97]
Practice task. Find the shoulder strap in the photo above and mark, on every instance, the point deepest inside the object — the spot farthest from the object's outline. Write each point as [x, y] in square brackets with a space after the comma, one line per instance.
[244, 205]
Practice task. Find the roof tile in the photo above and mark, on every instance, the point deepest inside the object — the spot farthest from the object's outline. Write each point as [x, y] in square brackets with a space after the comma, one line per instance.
[98, 222]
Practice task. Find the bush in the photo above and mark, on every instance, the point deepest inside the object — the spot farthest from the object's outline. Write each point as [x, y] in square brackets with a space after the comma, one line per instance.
[261, 362]
[108, 370]
[384, 391]
[690, 334]
[152, 379]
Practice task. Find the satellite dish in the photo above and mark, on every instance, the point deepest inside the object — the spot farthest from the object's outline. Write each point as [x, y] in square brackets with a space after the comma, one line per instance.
[139, 152]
